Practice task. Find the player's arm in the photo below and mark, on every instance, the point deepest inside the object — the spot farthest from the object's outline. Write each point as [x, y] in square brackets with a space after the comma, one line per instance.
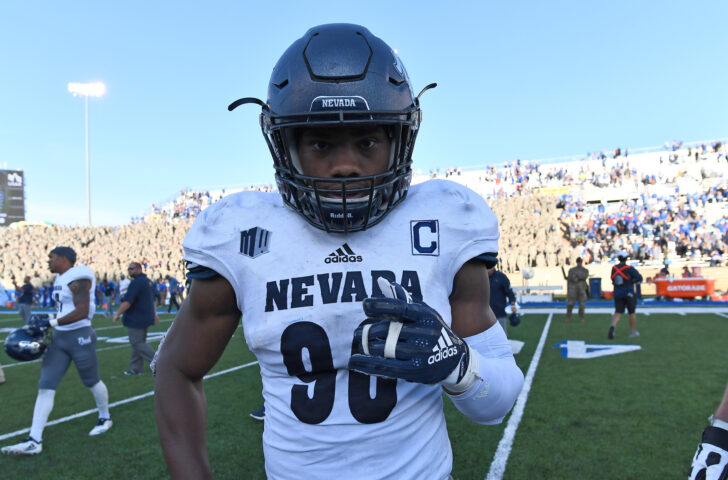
[470, 300]
[200, 332]
[498, 380]
[81, 291]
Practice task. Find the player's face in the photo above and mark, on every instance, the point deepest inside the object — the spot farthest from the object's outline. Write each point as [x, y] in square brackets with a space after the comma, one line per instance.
[343, 152]
[54, 263]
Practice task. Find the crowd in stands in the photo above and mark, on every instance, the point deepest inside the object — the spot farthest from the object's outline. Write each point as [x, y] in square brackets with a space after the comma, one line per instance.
[157, 245]
[669, 203]
[666, 204]
[649, 227]
[530, 232]
[189, 203]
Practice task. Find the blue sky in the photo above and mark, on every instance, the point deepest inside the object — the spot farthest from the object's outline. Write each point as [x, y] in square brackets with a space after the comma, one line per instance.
[518, 79]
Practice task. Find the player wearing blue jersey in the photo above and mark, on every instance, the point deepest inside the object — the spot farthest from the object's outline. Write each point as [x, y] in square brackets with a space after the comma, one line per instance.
[362, 297]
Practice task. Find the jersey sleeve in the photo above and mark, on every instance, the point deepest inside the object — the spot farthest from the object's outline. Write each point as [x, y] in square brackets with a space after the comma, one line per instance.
[471, 227]
[200, 271]
[212, 238]
[80, 273]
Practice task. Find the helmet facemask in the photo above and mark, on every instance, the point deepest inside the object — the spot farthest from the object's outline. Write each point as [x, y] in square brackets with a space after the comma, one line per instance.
[341, 205]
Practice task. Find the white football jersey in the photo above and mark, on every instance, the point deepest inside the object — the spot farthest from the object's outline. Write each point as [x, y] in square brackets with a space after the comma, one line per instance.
[63, 296]
[123, 286]
[300, 290]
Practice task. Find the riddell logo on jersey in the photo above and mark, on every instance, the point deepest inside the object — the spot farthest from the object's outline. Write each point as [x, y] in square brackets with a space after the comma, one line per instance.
[444, 348]
[344, 254]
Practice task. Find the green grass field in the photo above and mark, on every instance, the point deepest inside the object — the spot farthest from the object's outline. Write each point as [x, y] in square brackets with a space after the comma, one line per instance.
[632, 415]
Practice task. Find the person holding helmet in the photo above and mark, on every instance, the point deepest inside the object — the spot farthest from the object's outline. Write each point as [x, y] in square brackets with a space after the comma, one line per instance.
[74, 340]
[363, 297]
[624, 278]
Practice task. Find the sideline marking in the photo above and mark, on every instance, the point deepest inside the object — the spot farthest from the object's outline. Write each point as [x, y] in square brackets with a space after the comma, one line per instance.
[116, 404]
[581, 349]
[498, 466]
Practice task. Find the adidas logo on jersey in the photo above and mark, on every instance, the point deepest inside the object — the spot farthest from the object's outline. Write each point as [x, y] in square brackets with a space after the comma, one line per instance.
[444, 348]
[344, 254]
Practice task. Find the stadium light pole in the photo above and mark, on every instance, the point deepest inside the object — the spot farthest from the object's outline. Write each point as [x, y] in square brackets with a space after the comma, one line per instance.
[95, 89]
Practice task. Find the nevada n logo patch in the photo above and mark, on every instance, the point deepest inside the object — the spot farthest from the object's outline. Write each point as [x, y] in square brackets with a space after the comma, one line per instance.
[254, 242]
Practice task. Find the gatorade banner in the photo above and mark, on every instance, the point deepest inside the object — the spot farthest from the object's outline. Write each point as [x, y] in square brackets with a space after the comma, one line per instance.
[685, 287]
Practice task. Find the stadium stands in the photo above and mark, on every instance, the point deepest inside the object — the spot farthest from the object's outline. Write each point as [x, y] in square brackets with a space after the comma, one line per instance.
[670, 203]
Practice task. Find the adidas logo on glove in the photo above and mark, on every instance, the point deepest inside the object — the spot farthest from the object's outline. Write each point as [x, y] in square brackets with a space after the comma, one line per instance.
[444, 349]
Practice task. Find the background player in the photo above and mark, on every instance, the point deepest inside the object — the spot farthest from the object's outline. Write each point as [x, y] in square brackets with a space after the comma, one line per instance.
[73, 340]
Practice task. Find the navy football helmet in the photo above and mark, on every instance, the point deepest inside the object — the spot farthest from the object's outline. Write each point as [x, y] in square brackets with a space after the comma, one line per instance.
[340, 75]
[26, 343]
[515, 319]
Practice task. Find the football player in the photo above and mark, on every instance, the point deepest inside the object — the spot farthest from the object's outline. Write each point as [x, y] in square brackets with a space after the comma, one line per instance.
[711, 458]
[74, 339]
[362, 297]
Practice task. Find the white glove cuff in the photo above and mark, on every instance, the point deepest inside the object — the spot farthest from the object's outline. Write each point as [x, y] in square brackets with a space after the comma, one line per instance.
[471, 376]
[53, 321]
[716, 422]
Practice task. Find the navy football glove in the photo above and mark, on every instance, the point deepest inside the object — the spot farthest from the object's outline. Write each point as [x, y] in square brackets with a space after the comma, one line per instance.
[711, 458]
[41, 322]
[408, 339]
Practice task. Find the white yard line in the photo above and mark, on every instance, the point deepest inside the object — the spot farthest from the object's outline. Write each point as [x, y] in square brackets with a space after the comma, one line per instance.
[116, 404]
[498, 466]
